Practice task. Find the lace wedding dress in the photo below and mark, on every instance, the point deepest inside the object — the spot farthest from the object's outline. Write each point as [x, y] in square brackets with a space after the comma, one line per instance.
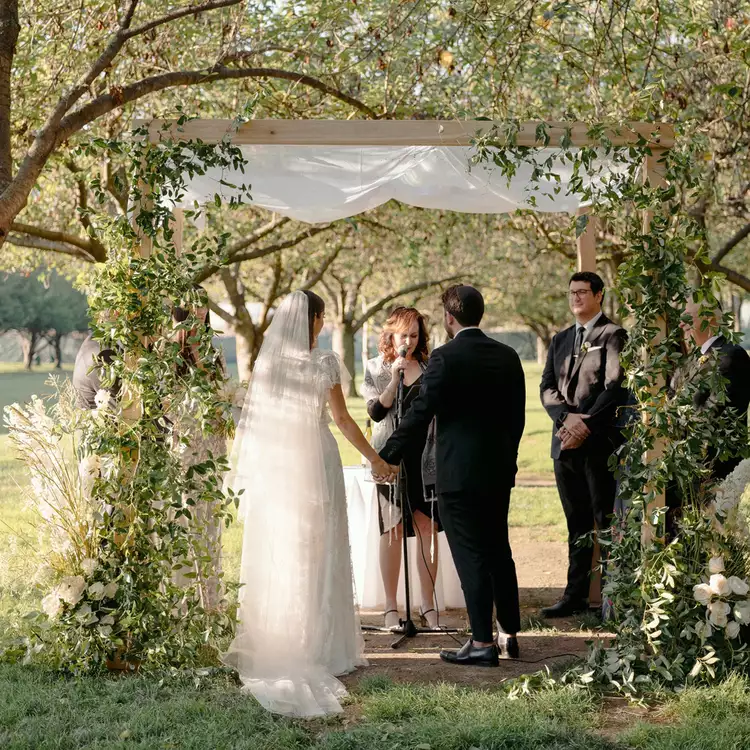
[299, 626]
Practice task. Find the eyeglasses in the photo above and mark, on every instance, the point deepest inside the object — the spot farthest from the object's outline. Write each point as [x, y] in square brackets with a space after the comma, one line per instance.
[578, 293]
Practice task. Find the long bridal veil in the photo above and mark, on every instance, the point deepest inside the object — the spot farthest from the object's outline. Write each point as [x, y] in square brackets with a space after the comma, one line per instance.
[279, 460]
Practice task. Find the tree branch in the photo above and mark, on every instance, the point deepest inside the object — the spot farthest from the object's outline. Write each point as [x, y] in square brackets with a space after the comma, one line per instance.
[221, 312]
[257, 235]
[378, 306]
[730, 244]
[39, 243]
[175, 15]
[92, 249]
[324, 266]
[117, 98]
[261, 252]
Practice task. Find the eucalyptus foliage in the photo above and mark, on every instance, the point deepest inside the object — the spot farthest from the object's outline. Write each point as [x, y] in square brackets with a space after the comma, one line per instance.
[660, 626]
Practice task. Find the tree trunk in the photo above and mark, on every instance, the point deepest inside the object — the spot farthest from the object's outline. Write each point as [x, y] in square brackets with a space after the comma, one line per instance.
[343, 345]
[246, 350]
[9, 28]
[29, 343]
[542, 347]
[57, 344]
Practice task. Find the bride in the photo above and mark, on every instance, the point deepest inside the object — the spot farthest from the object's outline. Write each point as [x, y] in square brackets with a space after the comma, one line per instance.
[298, 624]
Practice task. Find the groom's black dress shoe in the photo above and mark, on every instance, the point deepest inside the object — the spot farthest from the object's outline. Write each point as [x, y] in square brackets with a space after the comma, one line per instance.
[565, 608]
[473, 656]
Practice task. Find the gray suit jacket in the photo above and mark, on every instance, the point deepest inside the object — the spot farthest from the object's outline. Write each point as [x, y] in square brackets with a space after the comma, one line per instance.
[591, 384]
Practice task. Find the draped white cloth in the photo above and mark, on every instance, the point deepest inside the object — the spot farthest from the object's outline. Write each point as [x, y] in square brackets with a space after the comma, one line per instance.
[298, 626]
[318, 184]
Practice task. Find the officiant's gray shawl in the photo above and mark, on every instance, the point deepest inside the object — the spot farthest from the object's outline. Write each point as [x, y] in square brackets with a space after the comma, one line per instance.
[377, 378]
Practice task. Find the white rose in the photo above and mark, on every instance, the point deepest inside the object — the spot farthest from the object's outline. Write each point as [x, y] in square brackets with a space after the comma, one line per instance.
[703, 630]
[51, 604]
[702, 593]
[71, 589]
[101, 399]
[716, 565]
[719, 585]
[742, 611]
[96, 591]
[719, 613]
[733, 629]
[738, 585]
[111, 589]
[89, 565]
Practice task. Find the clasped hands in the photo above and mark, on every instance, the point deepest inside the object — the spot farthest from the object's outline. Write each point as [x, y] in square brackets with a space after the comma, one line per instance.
[573, 431]
[383, 472]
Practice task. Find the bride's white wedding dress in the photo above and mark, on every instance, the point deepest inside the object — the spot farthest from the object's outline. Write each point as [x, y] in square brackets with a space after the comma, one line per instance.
[298, 623]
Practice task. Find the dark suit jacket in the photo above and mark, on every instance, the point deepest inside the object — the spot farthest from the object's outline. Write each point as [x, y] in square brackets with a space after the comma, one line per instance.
[593, 386]
[86, 375]
[475, 388]
[734, 366]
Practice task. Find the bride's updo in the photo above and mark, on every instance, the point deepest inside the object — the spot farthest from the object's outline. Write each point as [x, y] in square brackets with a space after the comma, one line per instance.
[316, 306]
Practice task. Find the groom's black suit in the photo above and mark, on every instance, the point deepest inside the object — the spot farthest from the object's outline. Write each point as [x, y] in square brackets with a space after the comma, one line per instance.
[475, 387]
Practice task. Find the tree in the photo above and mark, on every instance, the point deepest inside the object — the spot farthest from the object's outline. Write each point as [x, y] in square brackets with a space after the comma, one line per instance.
[42, 312]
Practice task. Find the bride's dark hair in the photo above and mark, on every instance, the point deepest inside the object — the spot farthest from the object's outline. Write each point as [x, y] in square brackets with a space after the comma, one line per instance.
[316, 306]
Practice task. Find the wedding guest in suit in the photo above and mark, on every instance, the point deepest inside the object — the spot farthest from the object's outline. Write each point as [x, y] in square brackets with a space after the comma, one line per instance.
[474, 388]
[734, 366]
[404, 333]
[581, 390]
[87, 371]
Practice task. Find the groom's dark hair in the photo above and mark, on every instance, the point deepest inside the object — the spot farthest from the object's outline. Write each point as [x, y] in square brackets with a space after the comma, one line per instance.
[464, 303]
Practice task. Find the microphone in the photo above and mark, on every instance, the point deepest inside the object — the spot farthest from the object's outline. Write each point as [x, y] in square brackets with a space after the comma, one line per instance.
[402, 352]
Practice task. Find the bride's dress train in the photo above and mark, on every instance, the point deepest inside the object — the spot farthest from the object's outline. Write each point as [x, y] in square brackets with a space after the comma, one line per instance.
[299, 626]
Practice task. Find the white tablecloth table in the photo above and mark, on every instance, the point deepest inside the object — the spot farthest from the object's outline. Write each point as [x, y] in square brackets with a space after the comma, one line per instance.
[364, 538]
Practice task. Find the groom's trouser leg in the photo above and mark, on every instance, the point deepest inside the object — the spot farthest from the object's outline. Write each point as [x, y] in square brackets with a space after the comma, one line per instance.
[476, 529]
[504, 579]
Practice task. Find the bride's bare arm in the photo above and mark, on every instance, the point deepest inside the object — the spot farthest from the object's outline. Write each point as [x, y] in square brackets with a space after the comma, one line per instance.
[350, 430]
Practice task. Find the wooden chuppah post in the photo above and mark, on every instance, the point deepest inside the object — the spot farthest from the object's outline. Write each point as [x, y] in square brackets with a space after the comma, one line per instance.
[586, 247]
[653, 176]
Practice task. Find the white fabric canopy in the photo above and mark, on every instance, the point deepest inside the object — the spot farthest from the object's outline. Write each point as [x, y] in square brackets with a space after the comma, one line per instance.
[319, 184]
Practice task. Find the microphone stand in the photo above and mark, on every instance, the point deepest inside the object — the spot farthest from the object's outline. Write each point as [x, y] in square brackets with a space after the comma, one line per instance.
[408, 629]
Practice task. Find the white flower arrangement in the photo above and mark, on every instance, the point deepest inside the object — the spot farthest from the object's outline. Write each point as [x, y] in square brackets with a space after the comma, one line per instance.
[722, 597]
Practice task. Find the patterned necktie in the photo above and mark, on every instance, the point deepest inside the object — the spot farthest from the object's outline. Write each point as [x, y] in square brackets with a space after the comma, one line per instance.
[579, 340]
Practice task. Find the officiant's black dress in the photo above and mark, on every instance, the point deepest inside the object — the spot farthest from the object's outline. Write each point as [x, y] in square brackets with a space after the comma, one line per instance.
[415, 495]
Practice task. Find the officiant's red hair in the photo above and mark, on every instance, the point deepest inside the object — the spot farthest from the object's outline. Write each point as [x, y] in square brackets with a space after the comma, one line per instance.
[401, 320]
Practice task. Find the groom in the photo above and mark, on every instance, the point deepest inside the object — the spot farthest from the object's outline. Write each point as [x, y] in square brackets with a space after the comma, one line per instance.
[475, 388]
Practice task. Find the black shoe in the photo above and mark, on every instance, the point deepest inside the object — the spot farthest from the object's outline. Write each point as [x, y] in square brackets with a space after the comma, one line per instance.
[565, 608]
[473, 656]
[511, 647]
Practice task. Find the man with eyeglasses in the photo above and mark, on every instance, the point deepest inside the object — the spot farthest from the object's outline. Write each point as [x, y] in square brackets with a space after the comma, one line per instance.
[581, 390]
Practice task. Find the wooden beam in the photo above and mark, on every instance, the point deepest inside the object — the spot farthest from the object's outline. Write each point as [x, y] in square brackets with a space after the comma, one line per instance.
[653, 175]
[586, 242]
[395, 132]
[178, 227]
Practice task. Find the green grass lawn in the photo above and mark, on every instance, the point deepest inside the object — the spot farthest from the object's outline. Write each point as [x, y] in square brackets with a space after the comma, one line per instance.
[40, 709]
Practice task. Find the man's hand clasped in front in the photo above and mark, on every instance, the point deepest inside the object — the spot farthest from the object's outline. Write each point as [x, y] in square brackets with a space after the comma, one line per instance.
[574, 431]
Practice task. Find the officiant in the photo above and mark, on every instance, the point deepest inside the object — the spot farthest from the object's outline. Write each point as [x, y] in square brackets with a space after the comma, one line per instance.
[403, 348]
[582, 389]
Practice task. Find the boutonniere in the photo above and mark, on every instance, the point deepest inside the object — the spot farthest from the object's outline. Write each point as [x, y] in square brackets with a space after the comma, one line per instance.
[585, 346]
